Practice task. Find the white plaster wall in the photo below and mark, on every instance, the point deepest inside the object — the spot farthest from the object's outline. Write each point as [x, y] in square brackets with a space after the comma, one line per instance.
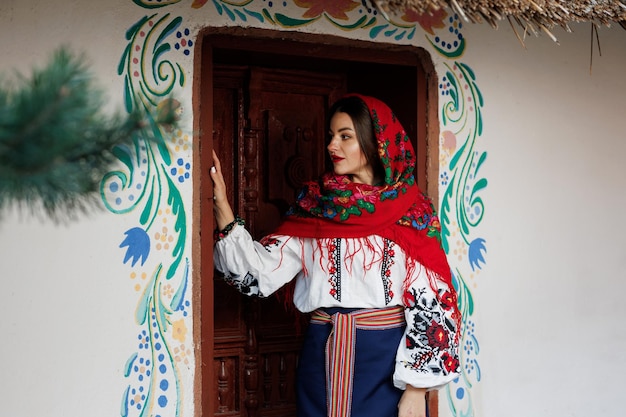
[68, 303]
[549, 300]
[551, 296]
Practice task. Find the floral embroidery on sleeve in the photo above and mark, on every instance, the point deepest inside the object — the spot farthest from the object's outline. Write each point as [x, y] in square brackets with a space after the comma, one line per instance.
[270, 243]
[430, 336]
[248, 285]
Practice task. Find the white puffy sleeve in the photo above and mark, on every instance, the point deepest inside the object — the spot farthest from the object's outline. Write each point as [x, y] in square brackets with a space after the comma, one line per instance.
[428, 355]
[257, 268]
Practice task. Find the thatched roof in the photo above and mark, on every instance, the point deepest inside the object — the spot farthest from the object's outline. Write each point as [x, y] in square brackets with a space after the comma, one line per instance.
[533, 16]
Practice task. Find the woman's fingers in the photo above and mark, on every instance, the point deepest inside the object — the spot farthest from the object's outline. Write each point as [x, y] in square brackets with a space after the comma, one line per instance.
[216, 162]
[216, 169]
[221, 208]
[219, 186]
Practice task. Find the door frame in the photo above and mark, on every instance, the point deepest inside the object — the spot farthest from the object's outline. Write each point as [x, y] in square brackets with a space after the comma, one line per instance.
[294, 44]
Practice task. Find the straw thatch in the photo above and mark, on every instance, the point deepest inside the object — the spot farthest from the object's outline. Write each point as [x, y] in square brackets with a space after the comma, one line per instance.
[533, 16]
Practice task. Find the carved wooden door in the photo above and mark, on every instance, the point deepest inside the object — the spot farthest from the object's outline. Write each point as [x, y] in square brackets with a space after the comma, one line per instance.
[269, 129]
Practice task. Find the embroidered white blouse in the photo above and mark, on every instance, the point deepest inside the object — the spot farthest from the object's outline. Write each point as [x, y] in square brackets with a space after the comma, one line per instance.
[351, 273]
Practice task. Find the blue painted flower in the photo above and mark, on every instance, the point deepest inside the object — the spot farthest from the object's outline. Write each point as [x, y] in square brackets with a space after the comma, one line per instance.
[476, 249]
[138, 244]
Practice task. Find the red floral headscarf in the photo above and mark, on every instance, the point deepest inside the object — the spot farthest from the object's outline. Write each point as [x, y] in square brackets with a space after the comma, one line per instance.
[336, 207]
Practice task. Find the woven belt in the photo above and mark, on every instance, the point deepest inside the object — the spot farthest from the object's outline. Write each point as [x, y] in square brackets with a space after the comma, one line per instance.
[340, 349]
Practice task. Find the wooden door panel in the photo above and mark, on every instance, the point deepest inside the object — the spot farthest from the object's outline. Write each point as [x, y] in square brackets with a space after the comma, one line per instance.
[261, 128]
[269, 131]
[229, 325]
[288, 108]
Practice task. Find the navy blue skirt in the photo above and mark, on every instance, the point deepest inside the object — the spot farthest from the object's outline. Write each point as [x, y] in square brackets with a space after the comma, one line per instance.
[374, 394]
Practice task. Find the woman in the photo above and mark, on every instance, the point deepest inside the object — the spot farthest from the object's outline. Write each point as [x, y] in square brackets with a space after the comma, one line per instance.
[363, 244]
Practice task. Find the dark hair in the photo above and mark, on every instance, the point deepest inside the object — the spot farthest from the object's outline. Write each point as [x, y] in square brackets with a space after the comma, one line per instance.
[360, 114]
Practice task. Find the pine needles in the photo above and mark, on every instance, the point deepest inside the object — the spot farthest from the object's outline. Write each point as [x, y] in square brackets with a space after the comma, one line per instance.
[55, 141]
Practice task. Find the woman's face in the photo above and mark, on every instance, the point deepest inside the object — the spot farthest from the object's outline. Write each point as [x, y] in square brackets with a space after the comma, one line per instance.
[345, 150]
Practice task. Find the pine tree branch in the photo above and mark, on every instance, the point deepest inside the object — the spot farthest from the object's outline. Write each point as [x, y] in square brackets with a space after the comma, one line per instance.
[55, 142]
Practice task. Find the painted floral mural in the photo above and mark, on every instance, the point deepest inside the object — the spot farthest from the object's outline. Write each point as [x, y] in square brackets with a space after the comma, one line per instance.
[154, 180]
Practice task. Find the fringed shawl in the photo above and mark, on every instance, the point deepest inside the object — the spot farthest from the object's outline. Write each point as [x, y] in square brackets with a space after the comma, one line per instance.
[336, 207]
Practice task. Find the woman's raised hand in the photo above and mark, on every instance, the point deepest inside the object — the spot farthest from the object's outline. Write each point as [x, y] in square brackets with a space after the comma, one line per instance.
[221, 208]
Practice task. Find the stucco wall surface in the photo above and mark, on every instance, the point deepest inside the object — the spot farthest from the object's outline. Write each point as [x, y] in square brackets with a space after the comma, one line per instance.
[551, 298]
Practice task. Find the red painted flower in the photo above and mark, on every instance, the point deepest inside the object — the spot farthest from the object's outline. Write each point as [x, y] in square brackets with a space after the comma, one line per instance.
[437, 336]
[450, 362]
[334, 8]
[428, 20]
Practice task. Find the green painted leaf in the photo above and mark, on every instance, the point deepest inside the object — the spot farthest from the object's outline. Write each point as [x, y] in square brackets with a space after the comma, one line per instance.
[160, 51]
[370, 23]
[179, 297]
[123, 59]
[143, 307]
[462, 218]
[482, 159]
[400, 35]
[128, 95]
[129, 364]
[132, 31]
[164, 311]
[181, 75]
[169, 29]
[256, 15]
[218, 7]
[291, 22]
[480, 96]
[241, 15]
[412, 33]
[376, 30]
[175, 201]
[268, 16]
[145, 214]
[479, 185]
[355, 25]
[467, 69]
[122, 153]
[445, 214]
[457, 155]
[230, 14]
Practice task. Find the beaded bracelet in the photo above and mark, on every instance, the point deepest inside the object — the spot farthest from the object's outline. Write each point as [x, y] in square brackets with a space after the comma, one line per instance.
[221, 234]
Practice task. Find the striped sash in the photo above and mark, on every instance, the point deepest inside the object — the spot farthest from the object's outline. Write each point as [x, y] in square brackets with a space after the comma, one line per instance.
[340, 349]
